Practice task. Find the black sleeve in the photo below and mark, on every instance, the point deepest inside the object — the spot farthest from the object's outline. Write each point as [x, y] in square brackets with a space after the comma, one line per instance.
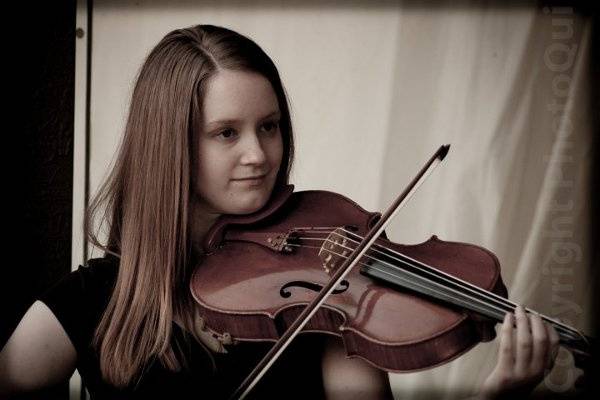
[79, 299]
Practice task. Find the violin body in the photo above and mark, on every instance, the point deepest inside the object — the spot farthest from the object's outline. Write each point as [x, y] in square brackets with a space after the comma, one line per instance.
[260, 271]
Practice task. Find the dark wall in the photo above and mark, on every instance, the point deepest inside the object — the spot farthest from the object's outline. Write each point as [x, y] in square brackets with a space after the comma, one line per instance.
[39, 164]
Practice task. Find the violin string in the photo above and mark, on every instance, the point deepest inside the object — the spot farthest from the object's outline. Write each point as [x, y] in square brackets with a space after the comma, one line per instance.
[495, 308]
[440, 275]
[433, 288]
[458, 300]
[428, 272]
[444, 291]
[470, 287]
[444, 276]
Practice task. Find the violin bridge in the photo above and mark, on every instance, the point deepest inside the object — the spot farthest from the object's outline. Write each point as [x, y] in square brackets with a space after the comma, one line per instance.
[334, 250]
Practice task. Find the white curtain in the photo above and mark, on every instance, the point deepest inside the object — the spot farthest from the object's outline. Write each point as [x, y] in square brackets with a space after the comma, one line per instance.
[375, 90]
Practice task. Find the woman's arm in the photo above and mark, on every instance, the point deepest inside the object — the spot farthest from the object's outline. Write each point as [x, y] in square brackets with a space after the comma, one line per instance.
[38, 354]
[352, 378]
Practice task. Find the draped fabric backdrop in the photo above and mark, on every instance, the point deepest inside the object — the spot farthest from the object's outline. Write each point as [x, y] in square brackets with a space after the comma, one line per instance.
[375, 89]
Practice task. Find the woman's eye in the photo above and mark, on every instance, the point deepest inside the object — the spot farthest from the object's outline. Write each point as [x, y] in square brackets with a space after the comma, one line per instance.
[270, 126]
[226, 134]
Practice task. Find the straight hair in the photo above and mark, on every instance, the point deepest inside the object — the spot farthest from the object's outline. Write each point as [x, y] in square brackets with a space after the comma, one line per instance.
[144, 203]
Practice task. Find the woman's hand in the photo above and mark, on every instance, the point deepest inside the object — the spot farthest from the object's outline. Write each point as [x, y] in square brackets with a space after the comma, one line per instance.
[525, 356]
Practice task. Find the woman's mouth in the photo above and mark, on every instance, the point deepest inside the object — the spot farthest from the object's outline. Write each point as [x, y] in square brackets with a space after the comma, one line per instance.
[251, 180]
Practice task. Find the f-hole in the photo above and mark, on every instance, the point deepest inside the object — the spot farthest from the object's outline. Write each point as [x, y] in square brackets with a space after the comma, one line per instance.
[285, 293]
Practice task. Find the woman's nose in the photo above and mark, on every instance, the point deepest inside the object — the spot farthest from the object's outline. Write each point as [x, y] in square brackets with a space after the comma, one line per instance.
[252, 151]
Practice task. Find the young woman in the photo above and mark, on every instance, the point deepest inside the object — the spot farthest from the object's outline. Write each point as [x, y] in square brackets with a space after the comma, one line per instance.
[208, 133]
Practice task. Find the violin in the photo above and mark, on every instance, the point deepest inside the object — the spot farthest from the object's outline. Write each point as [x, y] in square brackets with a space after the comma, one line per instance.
[315, 261]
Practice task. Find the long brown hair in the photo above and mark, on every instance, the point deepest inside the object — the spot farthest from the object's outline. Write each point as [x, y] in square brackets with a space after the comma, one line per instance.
[144, 203]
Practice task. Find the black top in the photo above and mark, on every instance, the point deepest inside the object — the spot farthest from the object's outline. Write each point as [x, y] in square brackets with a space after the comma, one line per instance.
[79, 300]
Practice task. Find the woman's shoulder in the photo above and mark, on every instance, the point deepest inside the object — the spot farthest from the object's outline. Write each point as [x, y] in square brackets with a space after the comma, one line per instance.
[95, 274]
[93, 280]
[100, 271]
[79, 299]
[106, 260]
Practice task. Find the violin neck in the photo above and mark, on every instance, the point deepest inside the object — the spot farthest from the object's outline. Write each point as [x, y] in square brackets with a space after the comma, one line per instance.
[410, 274]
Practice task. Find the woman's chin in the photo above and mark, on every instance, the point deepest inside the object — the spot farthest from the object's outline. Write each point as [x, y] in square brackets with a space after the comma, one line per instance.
[249, 205]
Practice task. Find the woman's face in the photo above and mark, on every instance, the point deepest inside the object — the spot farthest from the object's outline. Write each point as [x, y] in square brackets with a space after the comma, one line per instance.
[239, 146]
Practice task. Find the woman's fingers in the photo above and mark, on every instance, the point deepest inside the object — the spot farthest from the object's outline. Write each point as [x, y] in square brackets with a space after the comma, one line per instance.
[536, 345]
[523, 343]
[554, 340]
[506, 357]
[540, 340]
[501, 376]
[527, 351]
